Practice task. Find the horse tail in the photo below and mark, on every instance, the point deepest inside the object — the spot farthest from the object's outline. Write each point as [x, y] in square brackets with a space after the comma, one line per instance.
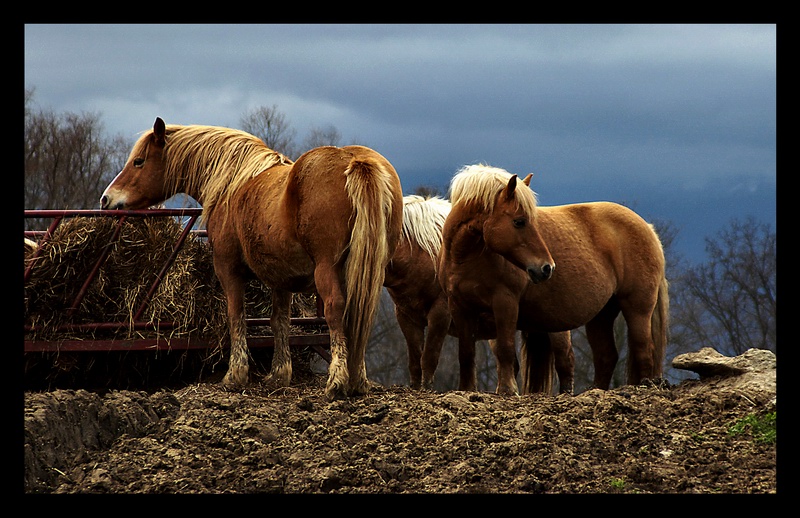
[373, 189]
[538, 365]
[659, 327]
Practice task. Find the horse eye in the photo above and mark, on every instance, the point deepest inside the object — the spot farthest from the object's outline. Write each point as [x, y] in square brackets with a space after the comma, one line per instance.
[138, 162]
[519, 222]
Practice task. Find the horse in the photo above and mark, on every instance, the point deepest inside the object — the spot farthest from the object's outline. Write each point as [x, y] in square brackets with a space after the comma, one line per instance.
[421, 304]
[411, 282]
[329, 221]
[507, 263]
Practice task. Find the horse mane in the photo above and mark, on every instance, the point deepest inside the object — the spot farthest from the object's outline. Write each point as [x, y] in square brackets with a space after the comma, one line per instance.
[480, 184]
[212, 161]
[423, 220]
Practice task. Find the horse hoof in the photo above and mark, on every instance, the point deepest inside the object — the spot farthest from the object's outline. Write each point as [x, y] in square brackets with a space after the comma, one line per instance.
[507, 391]
[335, 391]
[362, 389]
[228, 384]
[277, 381]
[235, 380]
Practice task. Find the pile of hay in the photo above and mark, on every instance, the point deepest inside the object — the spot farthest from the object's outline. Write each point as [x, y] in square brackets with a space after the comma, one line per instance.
[189, 294]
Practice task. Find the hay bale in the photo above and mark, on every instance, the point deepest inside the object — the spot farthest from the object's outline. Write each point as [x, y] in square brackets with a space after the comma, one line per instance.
[189, 294]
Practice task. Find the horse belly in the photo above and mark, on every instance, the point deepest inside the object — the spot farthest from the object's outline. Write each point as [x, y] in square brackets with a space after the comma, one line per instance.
[584, 279]
[561, 308]
[288, 268]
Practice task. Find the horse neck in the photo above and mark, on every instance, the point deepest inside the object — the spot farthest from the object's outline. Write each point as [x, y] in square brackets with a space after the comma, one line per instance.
[211, 182]
[188, 176]
[465, 236]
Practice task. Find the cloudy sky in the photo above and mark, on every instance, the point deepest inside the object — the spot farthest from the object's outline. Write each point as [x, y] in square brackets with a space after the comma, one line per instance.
[677, 122]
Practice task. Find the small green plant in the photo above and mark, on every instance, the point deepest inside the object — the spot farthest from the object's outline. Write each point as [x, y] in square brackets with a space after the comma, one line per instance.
[762, 428]
[617, 483]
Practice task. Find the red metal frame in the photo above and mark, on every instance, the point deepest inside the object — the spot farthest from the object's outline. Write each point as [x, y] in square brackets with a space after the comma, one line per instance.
[318, 341]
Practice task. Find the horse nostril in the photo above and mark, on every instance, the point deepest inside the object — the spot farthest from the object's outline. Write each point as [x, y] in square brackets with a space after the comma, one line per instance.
[103, 201]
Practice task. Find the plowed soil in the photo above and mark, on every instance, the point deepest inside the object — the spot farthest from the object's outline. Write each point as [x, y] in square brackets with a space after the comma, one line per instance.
[687, 438]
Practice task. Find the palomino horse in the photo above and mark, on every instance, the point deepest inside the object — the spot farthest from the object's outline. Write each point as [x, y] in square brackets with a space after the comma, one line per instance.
[421, 304]
[330, 221]
[411, 282]
[508, 264]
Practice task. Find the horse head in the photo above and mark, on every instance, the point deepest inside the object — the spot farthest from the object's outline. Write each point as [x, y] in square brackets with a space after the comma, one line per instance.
[140, 184]
[510, 230]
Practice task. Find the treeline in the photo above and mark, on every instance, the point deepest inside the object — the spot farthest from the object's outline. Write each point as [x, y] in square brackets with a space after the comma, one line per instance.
[729, 302]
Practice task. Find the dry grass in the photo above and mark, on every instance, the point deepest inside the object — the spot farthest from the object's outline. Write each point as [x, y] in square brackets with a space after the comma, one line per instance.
[189, 294]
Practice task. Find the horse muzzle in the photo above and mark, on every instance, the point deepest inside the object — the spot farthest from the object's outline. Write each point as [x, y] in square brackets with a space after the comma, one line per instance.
[540, 274]
[110, 203]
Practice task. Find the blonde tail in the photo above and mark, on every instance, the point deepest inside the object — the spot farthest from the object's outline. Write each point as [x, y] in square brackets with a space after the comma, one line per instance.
[660, 327]
[370, 187]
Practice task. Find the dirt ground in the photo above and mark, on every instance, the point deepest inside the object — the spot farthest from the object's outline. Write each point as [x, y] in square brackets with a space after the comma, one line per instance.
[203, 439]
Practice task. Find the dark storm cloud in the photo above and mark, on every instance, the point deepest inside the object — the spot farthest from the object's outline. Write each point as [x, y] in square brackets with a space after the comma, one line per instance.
[596, 111]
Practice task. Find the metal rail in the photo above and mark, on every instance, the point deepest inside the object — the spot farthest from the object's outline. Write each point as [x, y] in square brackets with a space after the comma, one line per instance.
[317, 341]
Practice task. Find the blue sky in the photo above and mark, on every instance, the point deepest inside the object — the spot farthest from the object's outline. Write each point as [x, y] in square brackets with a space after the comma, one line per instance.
[676, 121]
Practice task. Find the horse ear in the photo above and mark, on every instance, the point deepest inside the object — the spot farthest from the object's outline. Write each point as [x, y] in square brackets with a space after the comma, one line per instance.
[511, 187]
[527, 180]
[160, 131]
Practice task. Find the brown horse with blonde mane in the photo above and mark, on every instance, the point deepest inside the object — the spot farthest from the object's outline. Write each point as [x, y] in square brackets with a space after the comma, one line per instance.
[508, 264]
[421, 304]
[329, 221]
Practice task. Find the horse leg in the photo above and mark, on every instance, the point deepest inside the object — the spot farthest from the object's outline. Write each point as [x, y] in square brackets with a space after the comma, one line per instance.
[414, 335]
[238, 366]
[506, 358]
[600, 334]
[357, 368]
[537, 359]
[438, 326]
[468, 378]
[281, 371]
[641, 350]
[561, 344]
[505, 308]
[329, 288]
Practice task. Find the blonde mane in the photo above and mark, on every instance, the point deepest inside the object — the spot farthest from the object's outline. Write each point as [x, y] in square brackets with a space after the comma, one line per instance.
[211, 161]
[480, 184]
[423, 219]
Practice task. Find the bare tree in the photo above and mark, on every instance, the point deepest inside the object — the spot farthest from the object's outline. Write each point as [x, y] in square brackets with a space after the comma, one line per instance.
[68, 159]
[327, 136]
[730, 302]
[428, 191]
[270, 125]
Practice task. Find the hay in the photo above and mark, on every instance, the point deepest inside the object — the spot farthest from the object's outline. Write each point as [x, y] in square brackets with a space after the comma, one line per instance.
[189, 294]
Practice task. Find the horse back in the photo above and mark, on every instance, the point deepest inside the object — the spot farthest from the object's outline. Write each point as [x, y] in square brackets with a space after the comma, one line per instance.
[257, 232]
[602, 241]
[317, 198]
